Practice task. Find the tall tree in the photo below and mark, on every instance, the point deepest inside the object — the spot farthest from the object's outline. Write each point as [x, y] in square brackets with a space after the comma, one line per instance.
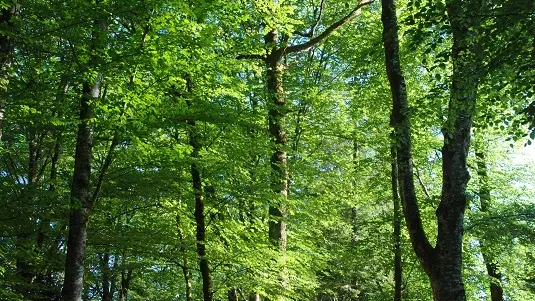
[276, 44]
[442, 263]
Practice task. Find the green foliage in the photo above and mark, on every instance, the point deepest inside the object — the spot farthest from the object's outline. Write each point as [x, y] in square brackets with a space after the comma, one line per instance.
[337, 121]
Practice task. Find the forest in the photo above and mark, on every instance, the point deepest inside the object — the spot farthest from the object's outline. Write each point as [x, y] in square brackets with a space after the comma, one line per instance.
[321, 150]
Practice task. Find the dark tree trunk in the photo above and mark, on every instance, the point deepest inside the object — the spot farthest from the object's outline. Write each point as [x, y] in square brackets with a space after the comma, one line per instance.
[81, 204]
[126, 278]
[232, 294]
[254, 297]
[397, 226]
[195, 142]
[443, 264]
[496, 289]
[107, 294]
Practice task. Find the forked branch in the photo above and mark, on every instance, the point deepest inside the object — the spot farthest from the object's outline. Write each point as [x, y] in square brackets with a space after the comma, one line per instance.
[329, 30]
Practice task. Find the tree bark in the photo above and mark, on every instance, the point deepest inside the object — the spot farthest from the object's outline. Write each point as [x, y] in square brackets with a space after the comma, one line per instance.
[276, 118]
[443, 264]
[107, 294]
[493, 271]
[398, 269]
[81, 201]
[196, 177]
[81, 204]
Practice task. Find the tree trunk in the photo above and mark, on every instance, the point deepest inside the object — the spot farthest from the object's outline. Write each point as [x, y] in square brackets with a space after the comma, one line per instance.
[277, 116]
[443, 264]
[107, 294]
[81, 204]
[125, 283]
[397, 227]
[232, 294]
[195, 142]
[254, 297]
[496, 290]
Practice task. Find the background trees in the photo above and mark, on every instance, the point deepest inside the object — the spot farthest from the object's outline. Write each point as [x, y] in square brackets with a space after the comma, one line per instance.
[183, 114]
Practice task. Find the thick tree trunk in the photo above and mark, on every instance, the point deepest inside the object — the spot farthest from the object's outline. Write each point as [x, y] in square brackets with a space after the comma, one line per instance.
[277, 116]
[397, 227]
[254, 297]
[443, 264]
[81, 204]
[496, 289]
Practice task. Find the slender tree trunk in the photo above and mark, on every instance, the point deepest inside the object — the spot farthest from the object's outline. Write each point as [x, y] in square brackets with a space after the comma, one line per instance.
[397, 226]
[81, 201]
[6, 49]
[81, 204]
[496, 290]
[107, 294]
[195, 142]
[277, 116]
[185, 264]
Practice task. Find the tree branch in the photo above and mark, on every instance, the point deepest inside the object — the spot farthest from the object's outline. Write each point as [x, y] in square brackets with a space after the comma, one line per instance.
[312, 30]
[426, 192]
[329, 30]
